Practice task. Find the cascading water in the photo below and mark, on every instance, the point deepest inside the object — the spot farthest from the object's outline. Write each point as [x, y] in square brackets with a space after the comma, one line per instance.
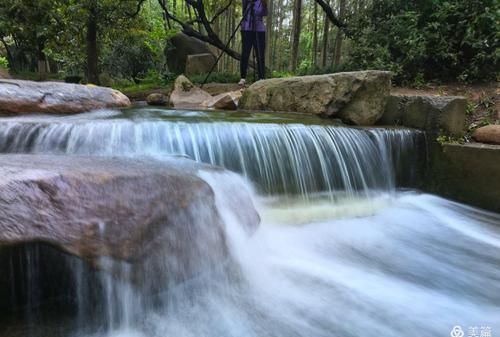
[280, 158]
[345, 254]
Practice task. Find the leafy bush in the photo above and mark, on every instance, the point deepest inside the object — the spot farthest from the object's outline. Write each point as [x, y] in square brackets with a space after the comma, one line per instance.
[4, 63]
[428, 39]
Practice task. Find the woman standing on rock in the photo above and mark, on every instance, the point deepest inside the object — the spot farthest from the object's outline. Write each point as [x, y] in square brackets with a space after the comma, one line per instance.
[253, 36]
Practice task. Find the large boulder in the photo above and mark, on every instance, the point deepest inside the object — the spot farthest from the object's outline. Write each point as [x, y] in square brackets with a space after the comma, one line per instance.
[435, 114]
[199, 63]
[355, 97]
[181, 46]
[157, 98]
[148, 214]
[186, 95]
[487, 134]
[23, 97]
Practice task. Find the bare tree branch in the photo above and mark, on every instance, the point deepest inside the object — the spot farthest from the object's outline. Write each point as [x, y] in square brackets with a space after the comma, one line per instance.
[332, 17]
[187, 27]
[221, 11]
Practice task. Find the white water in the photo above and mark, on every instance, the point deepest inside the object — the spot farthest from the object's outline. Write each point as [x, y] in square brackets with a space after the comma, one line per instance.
[413, 265]
[360, 264]
[279, 158]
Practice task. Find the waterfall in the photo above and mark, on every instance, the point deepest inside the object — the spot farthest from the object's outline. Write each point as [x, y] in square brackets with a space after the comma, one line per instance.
[346, 253]
[280, 158]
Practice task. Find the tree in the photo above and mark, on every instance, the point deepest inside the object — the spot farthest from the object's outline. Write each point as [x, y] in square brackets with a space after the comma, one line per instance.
[338, 39]
[204, 32]
[326, 33]
[28, 25]
[296, 27]
[315, 36]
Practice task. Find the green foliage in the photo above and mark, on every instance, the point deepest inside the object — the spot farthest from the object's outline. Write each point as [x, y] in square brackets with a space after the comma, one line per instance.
[4, 63]
[429, 39]
[128, 45]
[442, 139]
[281, 74]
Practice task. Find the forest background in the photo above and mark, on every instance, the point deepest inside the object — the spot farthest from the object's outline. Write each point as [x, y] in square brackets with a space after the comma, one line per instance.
[123, 43]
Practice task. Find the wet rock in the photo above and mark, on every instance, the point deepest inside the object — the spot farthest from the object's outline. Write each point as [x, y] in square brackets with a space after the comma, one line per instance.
[355, 97]
[22, 97]
[199, 63]
[157, 99]
[435, 114]
[489, 134]
[186, 95]
[149, 214]
[225, 101]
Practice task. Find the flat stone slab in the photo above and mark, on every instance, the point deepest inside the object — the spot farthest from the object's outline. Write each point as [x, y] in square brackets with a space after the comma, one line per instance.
[468, 173]
[25, 97]
[435, 114]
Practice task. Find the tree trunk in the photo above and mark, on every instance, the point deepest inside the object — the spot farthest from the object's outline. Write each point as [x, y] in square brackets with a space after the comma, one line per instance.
[269, 31]
[276, 55]
[296, 27]
[92, 50]
[315, 36]
[324, 49]
[338, 39]
[41, 61]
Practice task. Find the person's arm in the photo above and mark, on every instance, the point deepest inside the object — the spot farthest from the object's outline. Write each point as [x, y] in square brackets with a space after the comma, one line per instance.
[260, 9]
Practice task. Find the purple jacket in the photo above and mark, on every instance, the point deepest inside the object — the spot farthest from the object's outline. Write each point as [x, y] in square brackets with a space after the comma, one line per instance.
[257, 8]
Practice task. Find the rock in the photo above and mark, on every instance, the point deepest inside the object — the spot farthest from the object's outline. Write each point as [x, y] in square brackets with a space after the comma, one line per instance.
[199, 63]
[23, 97]
[487, 134]
[186, 95]
[225, 101]
[435, 114]
[181, 47]
[4, 74]
[355, 97]
[157, 99]
[215, 89]
[143, 212]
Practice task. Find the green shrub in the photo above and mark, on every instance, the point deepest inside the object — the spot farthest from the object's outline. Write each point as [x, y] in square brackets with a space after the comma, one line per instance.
[4, 63]
[427, 40]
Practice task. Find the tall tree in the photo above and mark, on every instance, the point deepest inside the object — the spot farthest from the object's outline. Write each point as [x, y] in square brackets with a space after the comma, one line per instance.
[92, 49]
[269, 30]
[315, 36]
[326, 34]
[338, 39]
[296, 28]
[100, 14]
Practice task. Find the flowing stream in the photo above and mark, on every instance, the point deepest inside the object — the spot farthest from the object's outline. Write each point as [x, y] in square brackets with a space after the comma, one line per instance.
[342, 249]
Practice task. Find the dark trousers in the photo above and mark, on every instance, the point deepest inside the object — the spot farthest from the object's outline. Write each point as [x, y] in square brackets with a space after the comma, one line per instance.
[257, 41]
